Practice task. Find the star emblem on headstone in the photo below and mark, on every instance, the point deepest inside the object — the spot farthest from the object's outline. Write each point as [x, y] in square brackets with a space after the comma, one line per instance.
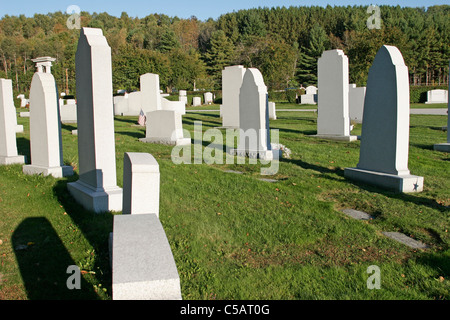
[416, 186]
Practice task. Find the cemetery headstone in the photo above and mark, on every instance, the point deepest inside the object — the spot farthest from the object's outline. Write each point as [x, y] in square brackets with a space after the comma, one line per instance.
[437, 96]
[254, 136]
[385, 131]
[445, 147]
[165, 127]
[196, 101]
[96, 188]
[208, 97]
[141, 180]
[272, 111]
[8, 143]
[143, 267]
[232, 77]
[310, 96]
[356, 97]
[45, 125]
[333, 120]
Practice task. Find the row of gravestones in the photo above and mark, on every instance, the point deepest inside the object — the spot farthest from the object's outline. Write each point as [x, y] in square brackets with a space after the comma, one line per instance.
[383, 155]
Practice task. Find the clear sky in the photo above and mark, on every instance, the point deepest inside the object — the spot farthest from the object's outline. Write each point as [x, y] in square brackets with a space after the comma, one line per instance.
[202, 9]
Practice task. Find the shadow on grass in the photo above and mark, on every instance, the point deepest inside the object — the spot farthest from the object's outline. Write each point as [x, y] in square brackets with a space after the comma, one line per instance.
[410, 197]
[133, 134]
[324, 170]
[68, 127]
[23, 148]
[126, 120]
[94, 227]
[43, 264]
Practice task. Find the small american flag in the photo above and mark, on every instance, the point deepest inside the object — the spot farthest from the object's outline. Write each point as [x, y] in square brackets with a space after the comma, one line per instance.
[142, 119]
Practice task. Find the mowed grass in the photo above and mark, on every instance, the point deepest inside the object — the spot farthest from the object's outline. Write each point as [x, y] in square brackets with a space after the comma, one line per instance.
[234, 236]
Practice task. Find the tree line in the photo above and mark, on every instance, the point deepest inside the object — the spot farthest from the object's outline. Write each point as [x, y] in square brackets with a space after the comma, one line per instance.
[284, 43]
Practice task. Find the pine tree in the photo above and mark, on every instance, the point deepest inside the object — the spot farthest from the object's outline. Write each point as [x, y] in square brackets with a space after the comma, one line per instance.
[318, 42]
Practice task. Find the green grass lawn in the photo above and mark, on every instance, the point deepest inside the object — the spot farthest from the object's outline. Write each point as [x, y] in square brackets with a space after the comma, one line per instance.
[234, 236]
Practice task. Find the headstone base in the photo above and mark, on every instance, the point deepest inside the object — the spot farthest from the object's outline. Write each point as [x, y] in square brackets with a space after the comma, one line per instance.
[56, 172]
[403, 184]
[444, 147]
[97, 200]
[336, 138]
[12, 160]
[177, 142]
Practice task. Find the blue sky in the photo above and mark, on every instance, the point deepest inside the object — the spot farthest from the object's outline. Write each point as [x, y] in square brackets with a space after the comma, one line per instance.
[202, 9]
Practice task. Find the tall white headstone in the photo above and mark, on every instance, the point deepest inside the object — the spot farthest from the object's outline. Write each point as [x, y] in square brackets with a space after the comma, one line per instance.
[150, 92]
[231, 85]
[385, 131]
[45, 125]
[333, 120]
[8, 143]
[141, 180]
[96, 188]
[254, 135]
[445, 147]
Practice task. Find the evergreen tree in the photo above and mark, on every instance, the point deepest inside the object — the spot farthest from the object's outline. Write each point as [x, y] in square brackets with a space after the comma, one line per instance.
[219, 55]
[318, 42]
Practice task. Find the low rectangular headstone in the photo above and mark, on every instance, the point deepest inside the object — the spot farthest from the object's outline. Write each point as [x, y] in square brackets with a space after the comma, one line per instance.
[359, 215]
[402, 238]
[143, 267]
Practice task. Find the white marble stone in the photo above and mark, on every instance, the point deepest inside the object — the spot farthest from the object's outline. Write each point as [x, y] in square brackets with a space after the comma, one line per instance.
[141, 180]
[445, 147]
[232, 77]
[8, 126]
[96, 188]
[196, 101]
[208, 97]
[150, 92]
[272, 111]
[356, 97]
[385, 131]
[177, 106]
[121, 105]
[165, 127]
[437, 96]
[333, 120]
[254, 136]
[45, 128]
[68, 113]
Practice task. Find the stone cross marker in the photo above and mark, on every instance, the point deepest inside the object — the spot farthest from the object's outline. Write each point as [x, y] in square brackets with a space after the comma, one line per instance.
[333, 121]
[8, 143]
[97, 188]
[385, 131]
[45, 125]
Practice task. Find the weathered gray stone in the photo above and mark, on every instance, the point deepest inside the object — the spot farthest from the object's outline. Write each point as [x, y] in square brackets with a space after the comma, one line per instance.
[143, 267]
[402, 238]
[359, 215]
